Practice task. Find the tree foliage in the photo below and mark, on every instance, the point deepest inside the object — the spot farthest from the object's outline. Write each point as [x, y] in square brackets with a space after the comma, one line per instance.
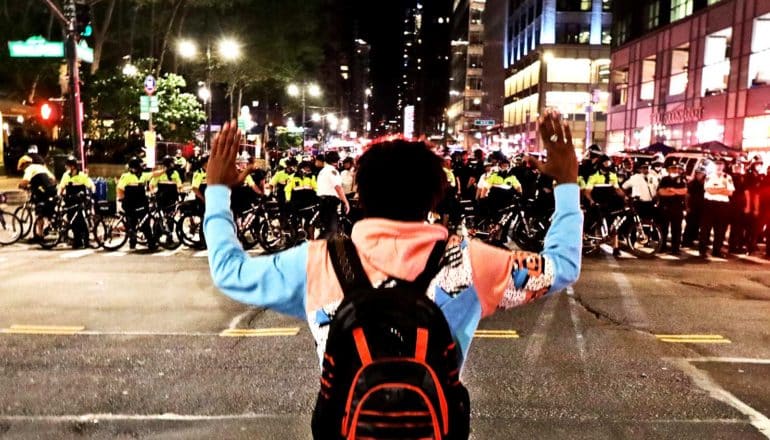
[114, 97]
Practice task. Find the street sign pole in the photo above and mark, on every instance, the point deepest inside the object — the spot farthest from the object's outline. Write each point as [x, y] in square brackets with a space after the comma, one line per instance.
[76, 109]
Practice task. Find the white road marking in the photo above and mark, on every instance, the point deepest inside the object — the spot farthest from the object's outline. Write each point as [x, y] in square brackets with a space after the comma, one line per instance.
[536, 339]
[167, 253]
[201, 254]
[77, 254]
[581, 343]
[734, 360]
[704, 381]
[3, 259]
[753, 259]
[115, 254]
[631, 305]
[237, 320]
[668, 257]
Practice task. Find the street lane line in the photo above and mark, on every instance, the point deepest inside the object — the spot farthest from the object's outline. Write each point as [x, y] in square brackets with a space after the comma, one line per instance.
[704, 381]
[497, 334]
[167, 253]
[733, 360]
[257, 332]
[753, 259]
[77, 254]
[576, 324]
[42, 330]
[137, 417]
[693, 339]
[668, 257]
[115, 254]
[201, 254]
[629, 302]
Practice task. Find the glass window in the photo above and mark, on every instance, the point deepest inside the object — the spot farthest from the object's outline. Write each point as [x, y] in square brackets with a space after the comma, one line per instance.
[680, 9]
[680, 61]
[585, 5]
[606, 37]
[569, 5]
[759, 61]
[716, 70]
[647, 92]
[620, 87]
[652, 14]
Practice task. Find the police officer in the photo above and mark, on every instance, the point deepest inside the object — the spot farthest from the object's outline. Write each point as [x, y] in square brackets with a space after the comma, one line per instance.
[300, 192]
[590, 165]
[72, 178]
[180, 163]
[603, 193]
[281, 179]
[199, 179]
[134, 177]
[739, 209]
[672, 191]
[331, 194]
[167, 173]
[716, 213]
[694, 207]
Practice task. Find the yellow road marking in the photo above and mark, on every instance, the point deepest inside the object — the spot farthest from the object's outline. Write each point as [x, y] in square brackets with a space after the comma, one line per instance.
[254, 332]
[497, 334]
[43, 329]
[693, 339]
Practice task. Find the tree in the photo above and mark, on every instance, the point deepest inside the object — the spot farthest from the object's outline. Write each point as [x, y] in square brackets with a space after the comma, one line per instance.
[114, 106]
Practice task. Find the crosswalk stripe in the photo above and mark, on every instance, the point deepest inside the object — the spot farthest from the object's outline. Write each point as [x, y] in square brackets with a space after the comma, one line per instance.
[77, 254]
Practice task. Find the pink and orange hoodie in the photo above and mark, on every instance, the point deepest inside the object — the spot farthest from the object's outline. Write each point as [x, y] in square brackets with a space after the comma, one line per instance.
[301, 282]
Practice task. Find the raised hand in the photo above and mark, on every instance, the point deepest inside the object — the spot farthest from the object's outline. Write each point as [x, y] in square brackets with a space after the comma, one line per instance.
[562, 162]
[224, 152]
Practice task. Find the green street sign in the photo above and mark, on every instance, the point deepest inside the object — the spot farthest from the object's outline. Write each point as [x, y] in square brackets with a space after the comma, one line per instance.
[85, 53]
[36, 47]
[149, 104]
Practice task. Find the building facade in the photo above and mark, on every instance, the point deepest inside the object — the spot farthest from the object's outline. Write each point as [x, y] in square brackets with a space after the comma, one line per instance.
[556, 55]
[688, 72]
[466, 82]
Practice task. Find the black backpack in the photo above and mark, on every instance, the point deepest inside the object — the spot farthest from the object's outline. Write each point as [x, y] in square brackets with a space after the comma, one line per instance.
[390, 370]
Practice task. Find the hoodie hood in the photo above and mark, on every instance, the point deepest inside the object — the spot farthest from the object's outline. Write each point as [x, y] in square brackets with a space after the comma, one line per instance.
[397, 249]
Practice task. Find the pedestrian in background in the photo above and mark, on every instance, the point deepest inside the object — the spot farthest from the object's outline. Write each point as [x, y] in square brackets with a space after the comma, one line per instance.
[331, 194]
[754, 183]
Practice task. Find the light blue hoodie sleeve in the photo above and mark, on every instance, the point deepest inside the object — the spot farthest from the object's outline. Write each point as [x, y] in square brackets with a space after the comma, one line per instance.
[277, 282]
[564, 241]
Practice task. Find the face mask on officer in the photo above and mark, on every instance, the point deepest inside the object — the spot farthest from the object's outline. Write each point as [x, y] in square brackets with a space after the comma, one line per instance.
[606, 165]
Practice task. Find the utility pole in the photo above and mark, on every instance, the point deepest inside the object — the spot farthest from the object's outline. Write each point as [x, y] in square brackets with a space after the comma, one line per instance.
[68, 20]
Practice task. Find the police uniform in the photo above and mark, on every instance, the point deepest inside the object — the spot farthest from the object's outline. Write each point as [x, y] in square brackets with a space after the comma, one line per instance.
[199, 181]
[80, 178]
[328, 179]
[739, 221]
[754, 184]
[672, 211]
[716, 213]
[278, 182]
[79, 225]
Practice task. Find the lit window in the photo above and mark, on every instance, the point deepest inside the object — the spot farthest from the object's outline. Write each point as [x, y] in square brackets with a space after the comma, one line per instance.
[653, 14]
[585, 5]
[759, 61]
[716, 68]
[680, 9]
[620, 87]
[680, 60]
[756, 132]
[647, 92]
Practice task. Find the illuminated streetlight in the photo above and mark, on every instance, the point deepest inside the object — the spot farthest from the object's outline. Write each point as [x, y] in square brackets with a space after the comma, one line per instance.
[314, 90]
[204, 94]
[293, 90]
[316, 117]
[229, 49]
[548, 57]
[187, 49]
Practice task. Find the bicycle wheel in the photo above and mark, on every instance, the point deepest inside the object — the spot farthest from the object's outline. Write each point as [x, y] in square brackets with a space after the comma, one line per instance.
[25, 216]
[168, 238]
[114, 234]
[10, 228]
[644, 239]
[190, 231]
[50, 234]
[272, 236]
[248, 231]
[594, 238]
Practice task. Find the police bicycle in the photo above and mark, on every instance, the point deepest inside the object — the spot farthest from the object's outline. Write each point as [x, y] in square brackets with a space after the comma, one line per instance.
[142, 222]
[71, 215]
[641, 236]
[11, 228]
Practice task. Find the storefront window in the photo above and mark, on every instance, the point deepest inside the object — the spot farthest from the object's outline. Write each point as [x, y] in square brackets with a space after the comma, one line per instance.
[680, 9]
[716, 70]
[647, 92]
[680, 60]
[756, 132]
[569, 70]
[759, 62]
[711, 130]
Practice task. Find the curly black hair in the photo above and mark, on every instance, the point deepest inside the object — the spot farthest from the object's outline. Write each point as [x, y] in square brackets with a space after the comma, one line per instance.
[400, 180]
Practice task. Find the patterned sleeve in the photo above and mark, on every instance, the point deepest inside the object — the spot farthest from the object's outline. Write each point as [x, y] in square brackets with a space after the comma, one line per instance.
[532, 277]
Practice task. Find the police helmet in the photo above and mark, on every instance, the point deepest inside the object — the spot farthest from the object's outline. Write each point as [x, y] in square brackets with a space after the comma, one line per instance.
[71, 161]
[168, 161]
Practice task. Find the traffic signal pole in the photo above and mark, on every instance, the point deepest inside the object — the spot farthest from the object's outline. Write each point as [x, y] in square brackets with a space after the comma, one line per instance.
[69, 22]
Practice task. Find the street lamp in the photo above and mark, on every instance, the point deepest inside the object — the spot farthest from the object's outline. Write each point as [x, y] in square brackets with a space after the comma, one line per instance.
[130, 70]
[228, 50]
[294, 90]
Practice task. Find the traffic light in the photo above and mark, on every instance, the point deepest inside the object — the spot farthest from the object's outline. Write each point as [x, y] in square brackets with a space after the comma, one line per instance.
[83, 20]
[50, 113]
[46, 111]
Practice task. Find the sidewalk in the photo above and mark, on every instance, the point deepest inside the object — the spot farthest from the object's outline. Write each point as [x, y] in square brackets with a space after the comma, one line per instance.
[9, 183]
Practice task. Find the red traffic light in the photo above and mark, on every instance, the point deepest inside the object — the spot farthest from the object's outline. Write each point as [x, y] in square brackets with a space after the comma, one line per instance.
[46, 111]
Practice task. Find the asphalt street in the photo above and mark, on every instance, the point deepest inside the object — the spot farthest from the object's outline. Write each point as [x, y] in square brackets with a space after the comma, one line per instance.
[136, 345]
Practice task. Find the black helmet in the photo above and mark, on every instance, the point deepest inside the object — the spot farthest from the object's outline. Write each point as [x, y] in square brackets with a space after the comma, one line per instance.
[168, 161]
[135, 163]
[305, 164]
[204, 159]
[594, 150]
[71, 161]
[291, 162]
